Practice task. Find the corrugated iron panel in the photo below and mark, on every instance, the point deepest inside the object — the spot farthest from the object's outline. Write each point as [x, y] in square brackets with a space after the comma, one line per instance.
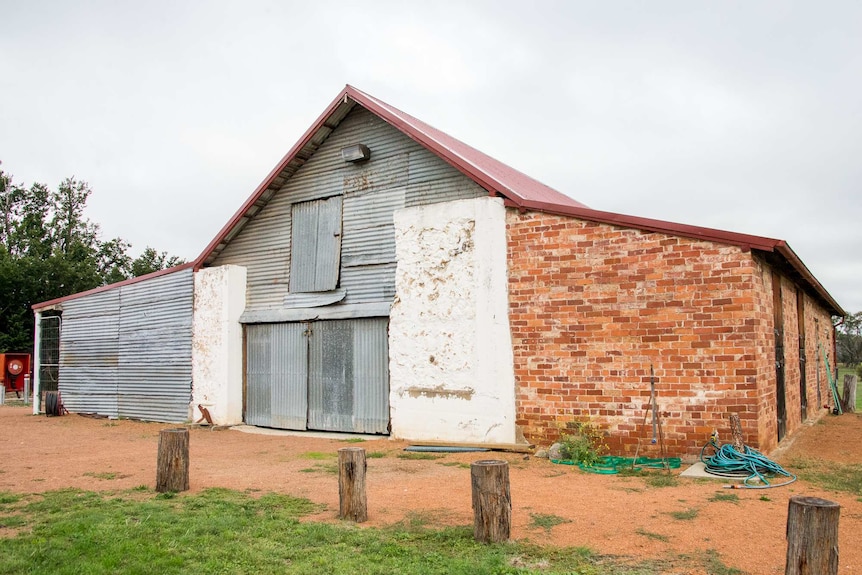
[155, 334]
[89, 353]
[371, 376]
[369, 284]
[348, 387]
[126, 352]
[277, 365]
[317, 245]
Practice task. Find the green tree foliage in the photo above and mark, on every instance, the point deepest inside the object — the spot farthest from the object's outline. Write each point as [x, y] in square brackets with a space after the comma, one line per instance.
[50, 249]
[850, 339]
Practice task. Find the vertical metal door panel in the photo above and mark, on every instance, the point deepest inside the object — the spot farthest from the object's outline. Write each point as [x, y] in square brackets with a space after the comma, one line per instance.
[277, 374]
[330, 381]
[289, 397]
[304, 218]
[348, 386]
[371, 375]
[328, 244]
[259, 374]
[316, 245]
[803, 383]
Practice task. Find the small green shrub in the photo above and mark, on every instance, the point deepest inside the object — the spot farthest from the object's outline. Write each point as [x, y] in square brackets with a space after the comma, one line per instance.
[585, 445]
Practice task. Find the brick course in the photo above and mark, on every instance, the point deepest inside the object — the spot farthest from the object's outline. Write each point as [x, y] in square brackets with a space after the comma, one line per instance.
[593, 306]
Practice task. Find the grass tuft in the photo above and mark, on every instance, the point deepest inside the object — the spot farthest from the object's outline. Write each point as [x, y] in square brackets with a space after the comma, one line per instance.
[546, 521]
[661, 480]
[727, 497]
[686, 515]
[418, 455]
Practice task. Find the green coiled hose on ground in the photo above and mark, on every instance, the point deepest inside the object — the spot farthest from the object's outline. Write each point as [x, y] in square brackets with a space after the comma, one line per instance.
[727, 461]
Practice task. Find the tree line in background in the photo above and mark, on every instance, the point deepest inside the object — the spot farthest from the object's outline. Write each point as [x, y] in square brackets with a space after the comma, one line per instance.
[50, 249]
[850, 340]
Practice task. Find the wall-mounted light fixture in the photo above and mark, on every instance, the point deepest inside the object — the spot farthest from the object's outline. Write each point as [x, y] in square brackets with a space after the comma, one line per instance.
[355, 153]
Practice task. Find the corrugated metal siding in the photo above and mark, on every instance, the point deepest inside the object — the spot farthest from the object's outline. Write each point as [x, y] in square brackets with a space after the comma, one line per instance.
[400, 173]
[277, 375]
[89, 353]
[317, 244]
[155, 370]
[325, 375]
[126, 352]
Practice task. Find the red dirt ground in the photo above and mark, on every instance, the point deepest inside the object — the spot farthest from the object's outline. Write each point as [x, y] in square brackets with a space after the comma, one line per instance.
[610, 514]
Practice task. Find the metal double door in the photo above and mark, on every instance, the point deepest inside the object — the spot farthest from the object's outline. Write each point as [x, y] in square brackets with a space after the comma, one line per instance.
[321, 375]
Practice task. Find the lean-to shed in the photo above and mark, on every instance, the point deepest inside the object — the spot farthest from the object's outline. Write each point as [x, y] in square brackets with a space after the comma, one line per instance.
[387, 278]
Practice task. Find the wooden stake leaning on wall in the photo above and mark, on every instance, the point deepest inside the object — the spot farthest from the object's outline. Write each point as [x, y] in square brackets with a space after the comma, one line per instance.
[352, 500]
[492, 501]
[738, 440]
[849, 399]
[812, 536]
[172, 470]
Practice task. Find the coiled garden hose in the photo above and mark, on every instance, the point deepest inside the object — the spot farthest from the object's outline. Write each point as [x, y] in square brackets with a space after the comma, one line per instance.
[727, 461]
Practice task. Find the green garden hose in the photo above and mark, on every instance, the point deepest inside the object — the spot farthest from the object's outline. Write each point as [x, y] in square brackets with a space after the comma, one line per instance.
[609, 465]
[727, 461]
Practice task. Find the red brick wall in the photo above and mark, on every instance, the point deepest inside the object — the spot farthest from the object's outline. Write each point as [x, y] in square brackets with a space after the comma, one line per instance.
[593, 306]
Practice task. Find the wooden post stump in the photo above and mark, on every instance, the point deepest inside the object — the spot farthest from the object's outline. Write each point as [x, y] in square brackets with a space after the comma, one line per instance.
[736, 433]
[352, 501]
[812, 536]
[492, 501]
[849, 398]
[172, 472]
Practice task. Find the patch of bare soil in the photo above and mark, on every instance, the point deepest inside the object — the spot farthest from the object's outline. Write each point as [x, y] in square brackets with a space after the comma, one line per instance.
[610, 514]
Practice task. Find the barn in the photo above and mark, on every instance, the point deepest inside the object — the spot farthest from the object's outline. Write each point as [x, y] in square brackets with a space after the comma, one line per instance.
[386, 278]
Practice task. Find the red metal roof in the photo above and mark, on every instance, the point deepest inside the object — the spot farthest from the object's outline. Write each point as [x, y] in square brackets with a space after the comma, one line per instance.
[518, 189]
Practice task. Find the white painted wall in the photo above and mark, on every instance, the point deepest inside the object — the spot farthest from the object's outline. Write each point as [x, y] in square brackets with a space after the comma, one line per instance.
[450, 349]
[217, 343]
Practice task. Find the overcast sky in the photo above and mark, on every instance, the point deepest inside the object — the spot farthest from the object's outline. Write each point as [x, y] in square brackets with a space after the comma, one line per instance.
[744, 116]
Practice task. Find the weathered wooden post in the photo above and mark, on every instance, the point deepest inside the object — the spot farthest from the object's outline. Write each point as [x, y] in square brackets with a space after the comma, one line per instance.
[849, 403]
[172, 471]
[492, 502]
[736, 433]
[812, 536]
[352, 501]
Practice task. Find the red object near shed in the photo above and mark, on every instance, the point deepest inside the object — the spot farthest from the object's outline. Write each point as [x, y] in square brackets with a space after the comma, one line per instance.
[13, 368]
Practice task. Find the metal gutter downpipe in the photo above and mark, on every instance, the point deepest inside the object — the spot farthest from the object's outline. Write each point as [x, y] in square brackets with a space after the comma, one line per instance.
[37, 365]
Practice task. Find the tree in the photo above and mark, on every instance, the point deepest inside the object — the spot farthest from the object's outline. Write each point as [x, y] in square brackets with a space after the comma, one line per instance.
[850, 339]
[50, 249]
[152, 261]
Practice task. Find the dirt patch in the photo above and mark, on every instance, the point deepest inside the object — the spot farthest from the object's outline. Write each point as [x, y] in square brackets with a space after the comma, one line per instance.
[551, 503]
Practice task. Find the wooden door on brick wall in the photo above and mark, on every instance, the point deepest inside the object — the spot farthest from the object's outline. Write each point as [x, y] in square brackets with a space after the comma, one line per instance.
[778, 316]
[803, 383]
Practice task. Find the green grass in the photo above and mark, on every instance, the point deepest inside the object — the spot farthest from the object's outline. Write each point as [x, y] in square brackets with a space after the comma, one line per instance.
[318, 455]
[375, 455]
[652, 535]
[726, 497]
[686, 515]
[661, 480]
[72, 532]
[832, 476]
[546, 521]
